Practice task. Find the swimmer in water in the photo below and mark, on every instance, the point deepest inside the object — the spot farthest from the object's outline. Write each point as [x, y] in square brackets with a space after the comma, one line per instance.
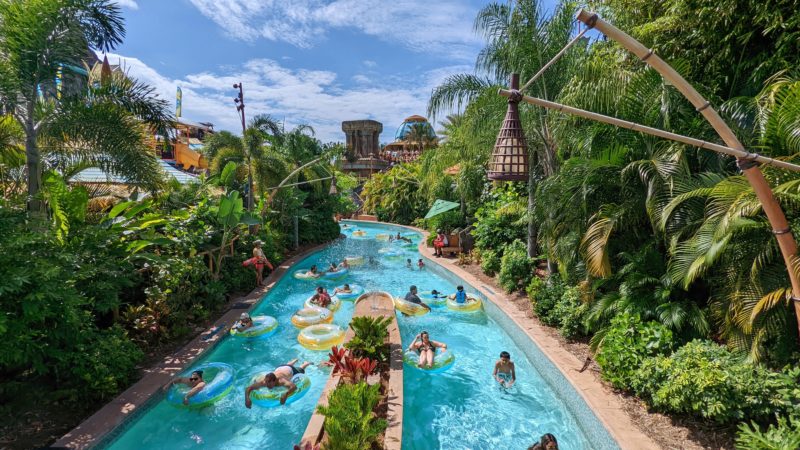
[504, 371]
[426, 348]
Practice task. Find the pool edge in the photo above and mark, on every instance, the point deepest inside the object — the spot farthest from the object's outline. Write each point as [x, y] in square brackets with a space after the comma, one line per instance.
[126, 406]
[604, 405]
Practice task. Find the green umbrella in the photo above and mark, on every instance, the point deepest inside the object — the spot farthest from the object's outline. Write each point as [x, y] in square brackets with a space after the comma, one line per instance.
[440, 206]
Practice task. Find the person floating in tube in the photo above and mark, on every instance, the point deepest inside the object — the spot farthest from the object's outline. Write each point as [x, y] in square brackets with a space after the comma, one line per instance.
[195, 382]
[426, 348]
[412, 297]
[321, 298]
[461, 296]
[282, 375]
[244, 322]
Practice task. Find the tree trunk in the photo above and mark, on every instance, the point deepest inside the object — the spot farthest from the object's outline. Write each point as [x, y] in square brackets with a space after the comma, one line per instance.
[533, 246]
[33, 161]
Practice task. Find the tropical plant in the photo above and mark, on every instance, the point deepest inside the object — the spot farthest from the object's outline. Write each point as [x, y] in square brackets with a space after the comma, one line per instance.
[626, 344]
[369, 339]
[349, 419]
[707, 380]
[516, 269]
[353, 369]
[103, 124]
[785, 435]
[394, 195]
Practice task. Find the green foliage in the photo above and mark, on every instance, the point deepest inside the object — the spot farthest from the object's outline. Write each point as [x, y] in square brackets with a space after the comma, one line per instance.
[447, 222]
[627, 344]
[705, 379]
[501, 220]
[785, 435]
[516, 269]
[545, 297]
[490, 262]
[569, 313]
[369, 340]
[394, 195]
[534, 287]
[349, 419]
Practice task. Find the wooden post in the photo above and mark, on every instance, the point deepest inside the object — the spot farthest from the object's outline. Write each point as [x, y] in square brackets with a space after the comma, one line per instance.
[296, 234]
[775, 215]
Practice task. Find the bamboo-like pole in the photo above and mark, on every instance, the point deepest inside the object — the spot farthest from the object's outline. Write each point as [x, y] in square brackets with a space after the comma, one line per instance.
[739, 154]
[775, 215]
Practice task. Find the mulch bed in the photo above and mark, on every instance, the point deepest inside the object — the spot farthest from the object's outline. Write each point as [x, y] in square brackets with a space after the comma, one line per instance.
[669, 432]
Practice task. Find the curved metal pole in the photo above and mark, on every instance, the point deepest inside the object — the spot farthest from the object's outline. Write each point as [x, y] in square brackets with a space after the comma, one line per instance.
[282, 183]
[775, 215]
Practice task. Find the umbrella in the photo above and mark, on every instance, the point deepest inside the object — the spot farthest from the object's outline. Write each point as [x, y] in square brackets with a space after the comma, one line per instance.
[440, 206]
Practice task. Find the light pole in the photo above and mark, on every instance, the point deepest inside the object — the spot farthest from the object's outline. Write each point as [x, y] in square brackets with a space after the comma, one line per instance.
[239, 100]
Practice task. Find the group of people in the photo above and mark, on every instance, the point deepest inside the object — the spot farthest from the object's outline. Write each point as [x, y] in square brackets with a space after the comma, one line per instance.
[420, 264]
[413, 297]
[399, 238]
[439, 243]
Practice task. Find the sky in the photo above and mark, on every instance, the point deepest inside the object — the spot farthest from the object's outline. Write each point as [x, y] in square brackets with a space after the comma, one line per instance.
[315, 62]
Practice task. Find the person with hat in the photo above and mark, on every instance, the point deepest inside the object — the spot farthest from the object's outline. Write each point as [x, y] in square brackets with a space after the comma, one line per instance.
[244, 322]
[261, 261]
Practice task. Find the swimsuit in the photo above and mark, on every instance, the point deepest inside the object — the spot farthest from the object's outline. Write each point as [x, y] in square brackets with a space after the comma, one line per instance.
[295, 370]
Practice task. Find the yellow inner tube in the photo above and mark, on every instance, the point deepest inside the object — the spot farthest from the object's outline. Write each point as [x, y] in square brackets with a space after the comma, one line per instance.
[412, 309]
[333, 305]
[354, 260]
[311, 316]
[382, 237]
[473, 303]
[321, 337]
[359, 233]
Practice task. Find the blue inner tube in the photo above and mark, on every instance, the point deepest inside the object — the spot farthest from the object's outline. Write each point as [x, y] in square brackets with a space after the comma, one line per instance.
[341, 273]
[270, 398]
[219, 382]
[357, 290]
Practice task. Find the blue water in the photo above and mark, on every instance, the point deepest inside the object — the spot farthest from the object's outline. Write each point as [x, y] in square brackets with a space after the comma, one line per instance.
[461, 408]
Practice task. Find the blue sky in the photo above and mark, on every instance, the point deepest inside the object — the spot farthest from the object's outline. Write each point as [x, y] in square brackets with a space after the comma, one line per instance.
[315, 62]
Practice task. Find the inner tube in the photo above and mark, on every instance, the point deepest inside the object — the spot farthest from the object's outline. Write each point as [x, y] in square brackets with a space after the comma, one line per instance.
[359, 234]
[263, 326]
[442, 360]
[221, 382]
[392, 252]
[306, 275]
[473, 303]
[412, 309]
[355, 289]
[311, 316]
[249, 262]
[430, 300]
[321, 337]
[354, 260]
[270, 398]
[341, 273]
[383, 236]
[333, 305]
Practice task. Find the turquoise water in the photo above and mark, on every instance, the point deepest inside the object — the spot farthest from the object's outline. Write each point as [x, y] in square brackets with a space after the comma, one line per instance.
[461, 408]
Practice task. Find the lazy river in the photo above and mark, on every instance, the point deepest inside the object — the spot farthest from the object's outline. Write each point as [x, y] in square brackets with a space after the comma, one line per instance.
[460, 408]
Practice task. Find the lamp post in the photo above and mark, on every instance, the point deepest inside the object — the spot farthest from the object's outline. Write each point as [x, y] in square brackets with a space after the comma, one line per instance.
[239, 101]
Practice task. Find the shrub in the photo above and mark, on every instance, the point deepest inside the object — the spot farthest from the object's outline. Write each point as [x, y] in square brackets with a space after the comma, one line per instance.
[534, 287]
[627, 343]
[349, 419]
[501, 219]
[516, 269]
[101, 364]
[369, 340]
[705, 379]
[783, 436]
[546, 297]
[490, 262]
[569, 313]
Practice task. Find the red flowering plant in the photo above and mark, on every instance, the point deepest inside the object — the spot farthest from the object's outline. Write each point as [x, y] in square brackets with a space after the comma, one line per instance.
[349, 367]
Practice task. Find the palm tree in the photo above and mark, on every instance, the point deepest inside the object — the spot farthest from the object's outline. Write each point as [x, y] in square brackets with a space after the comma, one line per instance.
[420, 134]
[39, 38]
[520, 39]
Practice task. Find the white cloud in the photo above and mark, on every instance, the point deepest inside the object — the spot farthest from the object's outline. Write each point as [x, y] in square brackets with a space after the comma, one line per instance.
[300, 96]
[369, 63]
[442, 26]
[361, 79]
[130, 4]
